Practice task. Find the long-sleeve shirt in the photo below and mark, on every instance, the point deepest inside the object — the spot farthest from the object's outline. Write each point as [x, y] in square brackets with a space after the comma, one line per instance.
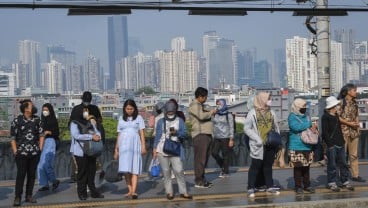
[331, 130]
[78, 139]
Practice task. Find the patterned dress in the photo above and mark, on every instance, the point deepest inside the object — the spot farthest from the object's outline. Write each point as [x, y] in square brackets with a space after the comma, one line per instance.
[130, 157]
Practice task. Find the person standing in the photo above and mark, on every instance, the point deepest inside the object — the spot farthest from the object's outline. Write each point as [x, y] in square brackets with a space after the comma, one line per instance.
[300, 154]
[83, 130]
[337, 169]
[130, 145]
[94, 111]
[223, 133]
[178, 112]
[171, 127]
[201, 134]
[258, 123]
[349, 119]
[45, 167]
[26, 135]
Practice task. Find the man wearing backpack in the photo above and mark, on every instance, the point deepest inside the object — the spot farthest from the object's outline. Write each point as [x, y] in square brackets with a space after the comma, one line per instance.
[223, 133]
[27, 139]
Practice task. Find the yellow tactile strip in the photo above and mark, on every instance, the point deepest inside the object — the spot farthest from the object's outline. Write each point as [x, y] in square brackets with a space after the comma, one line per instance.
[196, 197]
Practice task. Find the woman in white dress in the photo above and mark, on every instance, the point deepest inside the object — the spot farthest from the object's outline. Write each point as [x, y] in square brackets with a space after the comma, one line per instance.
[130, 145]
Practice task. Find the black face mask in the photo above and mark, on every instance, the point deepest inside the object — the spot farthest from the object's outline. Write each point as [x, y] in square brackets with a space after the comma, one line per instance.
[303, 110]
[34, 110]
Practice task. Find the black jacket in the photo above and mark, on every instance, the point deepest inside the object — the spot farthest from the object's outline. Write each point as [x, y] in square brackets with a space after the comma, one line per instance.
[331, 130]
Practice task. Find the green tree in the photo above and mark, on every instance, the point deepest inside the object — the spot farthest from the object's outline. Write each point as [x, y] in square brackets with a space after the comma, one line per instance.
[146, 90]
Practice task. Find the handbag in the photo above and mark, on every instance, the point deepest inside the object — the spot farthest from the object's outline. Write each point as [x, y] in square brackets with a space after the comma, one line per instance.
[92, 148]
[112, 172]
[309, 137]
[171, 147]
[155, 168]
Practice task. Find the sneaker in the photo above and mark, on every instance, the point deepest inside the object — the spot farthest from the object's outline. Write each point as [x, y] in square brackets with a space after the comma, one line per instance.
[272, 191]
[55, 184]
[310, 190]
[334, 188]
[251, 193]
[347, 186]
[299, 191]
[44, 188]
[358, 179]
[223, 175]
[205, 185]
[260, 189]
[16, 202]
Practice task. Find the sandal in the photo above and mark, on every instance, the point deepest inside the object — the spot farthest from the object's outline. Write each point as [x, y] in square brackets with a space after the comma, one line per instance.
[134, 196]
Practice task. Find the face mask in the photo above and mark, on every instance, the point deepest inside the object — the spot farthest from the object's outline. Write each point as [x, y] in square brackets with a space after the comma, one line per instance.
[85, 114]
[34, 110]
[303, 110]
[269, 103]
[170, 116]
[45, 113]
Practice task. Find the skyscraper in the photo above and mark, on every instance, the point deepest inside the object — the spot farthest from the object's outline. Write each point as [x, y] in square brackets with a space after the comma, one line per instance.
[210, 40]
[301, 65]
[336, 72]
[53, 74]
[279, 76]
[117, 44]
[7, 84]
[29, 54]
[92, 74]
[178, 44]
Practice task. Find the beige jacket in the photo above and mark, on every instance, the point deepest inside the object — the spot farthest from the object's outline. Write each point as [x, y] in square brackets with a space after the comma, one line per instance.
[200, 119]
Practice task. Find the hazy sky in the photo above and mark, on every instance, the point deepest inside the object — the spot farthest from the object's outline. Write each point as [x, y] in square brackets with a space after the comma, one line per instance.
[88, 34]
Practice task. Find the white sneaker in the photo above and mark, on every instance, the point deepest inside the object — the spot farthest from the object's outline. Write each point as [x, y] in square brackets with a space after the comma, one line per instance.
[251, 193]
[272, 191]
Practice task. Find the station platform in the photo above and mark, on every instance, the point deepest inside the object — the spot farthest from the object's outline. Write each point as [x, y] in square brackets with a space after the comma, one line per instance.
[225, 192]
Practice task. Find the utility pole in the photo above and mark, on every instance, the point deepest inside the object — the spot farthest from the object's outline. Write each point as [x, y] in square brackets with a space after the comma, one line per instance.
[323, 56]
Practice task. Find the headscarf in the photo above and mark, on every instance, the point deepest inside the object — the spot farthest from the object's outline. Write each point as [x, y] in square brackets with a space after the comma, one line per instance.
[222, 110]
[260, 101]
[297, 105]
[50, 121]
[170, 107]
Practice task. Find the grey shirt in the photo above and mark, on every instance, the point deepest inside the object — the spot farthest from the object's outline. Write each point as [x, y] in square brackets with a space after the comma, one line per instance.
[223, 126]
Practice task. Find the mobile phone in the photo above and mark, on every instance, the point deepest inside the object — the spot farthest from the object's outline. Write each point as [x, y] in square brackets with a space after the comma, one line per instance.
[172, 129]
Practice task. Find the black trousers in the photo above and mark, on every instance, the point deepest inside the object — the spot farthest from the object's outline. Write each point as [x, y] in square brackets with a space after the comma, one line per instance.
[27, 166]
[202, 147]
[223, 159]
[301, 175]
[264, 165]
[86, 175]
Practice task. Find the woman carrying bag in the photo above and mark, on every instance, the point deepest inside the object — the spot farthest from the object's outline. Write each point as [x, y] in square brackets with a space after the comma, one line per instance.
[171, 127]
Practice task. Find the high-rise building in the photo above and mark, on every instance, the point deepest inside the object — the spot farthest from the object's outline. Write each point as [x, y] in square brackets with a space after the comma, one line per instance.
[279, 76]
[29, 54]
[7, 84]
[336, 69]
[76, 77]
[92, 74]
[301, 65]
[246, 61]
[20, 70]
[178, 68]
[223, 64]
[117, 44]
[178, 44]
[210, 40]
[52, 75]
[134, 46]
[67, 59]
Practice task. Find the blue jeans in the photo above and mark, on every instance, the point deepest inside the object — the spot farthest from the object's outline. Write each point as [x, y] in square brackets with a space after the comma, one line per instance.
[337, 161]
[45, 167]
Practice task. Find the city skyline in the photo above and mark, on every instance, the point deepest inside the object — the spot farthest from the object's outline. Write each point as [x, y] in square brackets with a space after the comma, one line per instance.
[84, 35]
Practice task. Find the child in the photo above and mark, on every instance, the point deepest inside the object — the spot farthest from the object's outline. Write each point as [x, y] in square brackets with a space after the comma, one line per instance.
[332, 135]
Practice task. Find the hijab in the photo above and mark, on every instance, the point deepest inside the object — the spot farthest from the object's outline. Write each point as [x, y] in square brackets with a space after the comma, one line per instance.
[260, 101]
[49, 122]
[222, 109]
[297, 105]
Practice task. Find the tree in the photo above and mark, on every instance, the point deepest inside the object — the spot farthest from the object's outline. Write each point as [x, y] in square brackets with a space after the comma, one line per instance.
[146, 90]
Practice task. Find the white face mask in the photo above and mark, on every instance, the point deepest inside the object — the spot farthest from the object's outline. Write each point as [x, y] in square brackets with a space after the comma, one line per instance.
[170, 116]
[45, 113]
[269, 103]
[85, 114]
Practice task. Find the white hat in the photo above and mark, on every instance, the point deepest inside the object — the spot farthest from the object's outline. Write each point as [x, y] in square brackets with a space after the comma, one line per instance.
[331, 102]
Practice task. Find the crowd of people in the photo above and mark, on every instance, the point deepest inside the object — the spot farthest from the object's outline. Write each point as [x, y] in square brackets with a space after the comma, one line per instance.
[34, 141]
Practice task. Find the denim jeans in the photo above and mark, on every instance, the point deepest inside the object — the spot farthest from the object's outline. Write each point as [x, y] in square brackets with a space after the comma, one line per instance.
[45, 167]
[337, 163]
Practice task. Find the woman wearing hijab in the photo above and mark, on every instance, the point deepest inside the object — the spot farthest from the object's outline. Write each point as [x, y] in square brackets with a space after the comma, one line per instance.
[82, 129]
[258, 123]
[223, 133]
[171, 127]
[300, 154]
[45, 167]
